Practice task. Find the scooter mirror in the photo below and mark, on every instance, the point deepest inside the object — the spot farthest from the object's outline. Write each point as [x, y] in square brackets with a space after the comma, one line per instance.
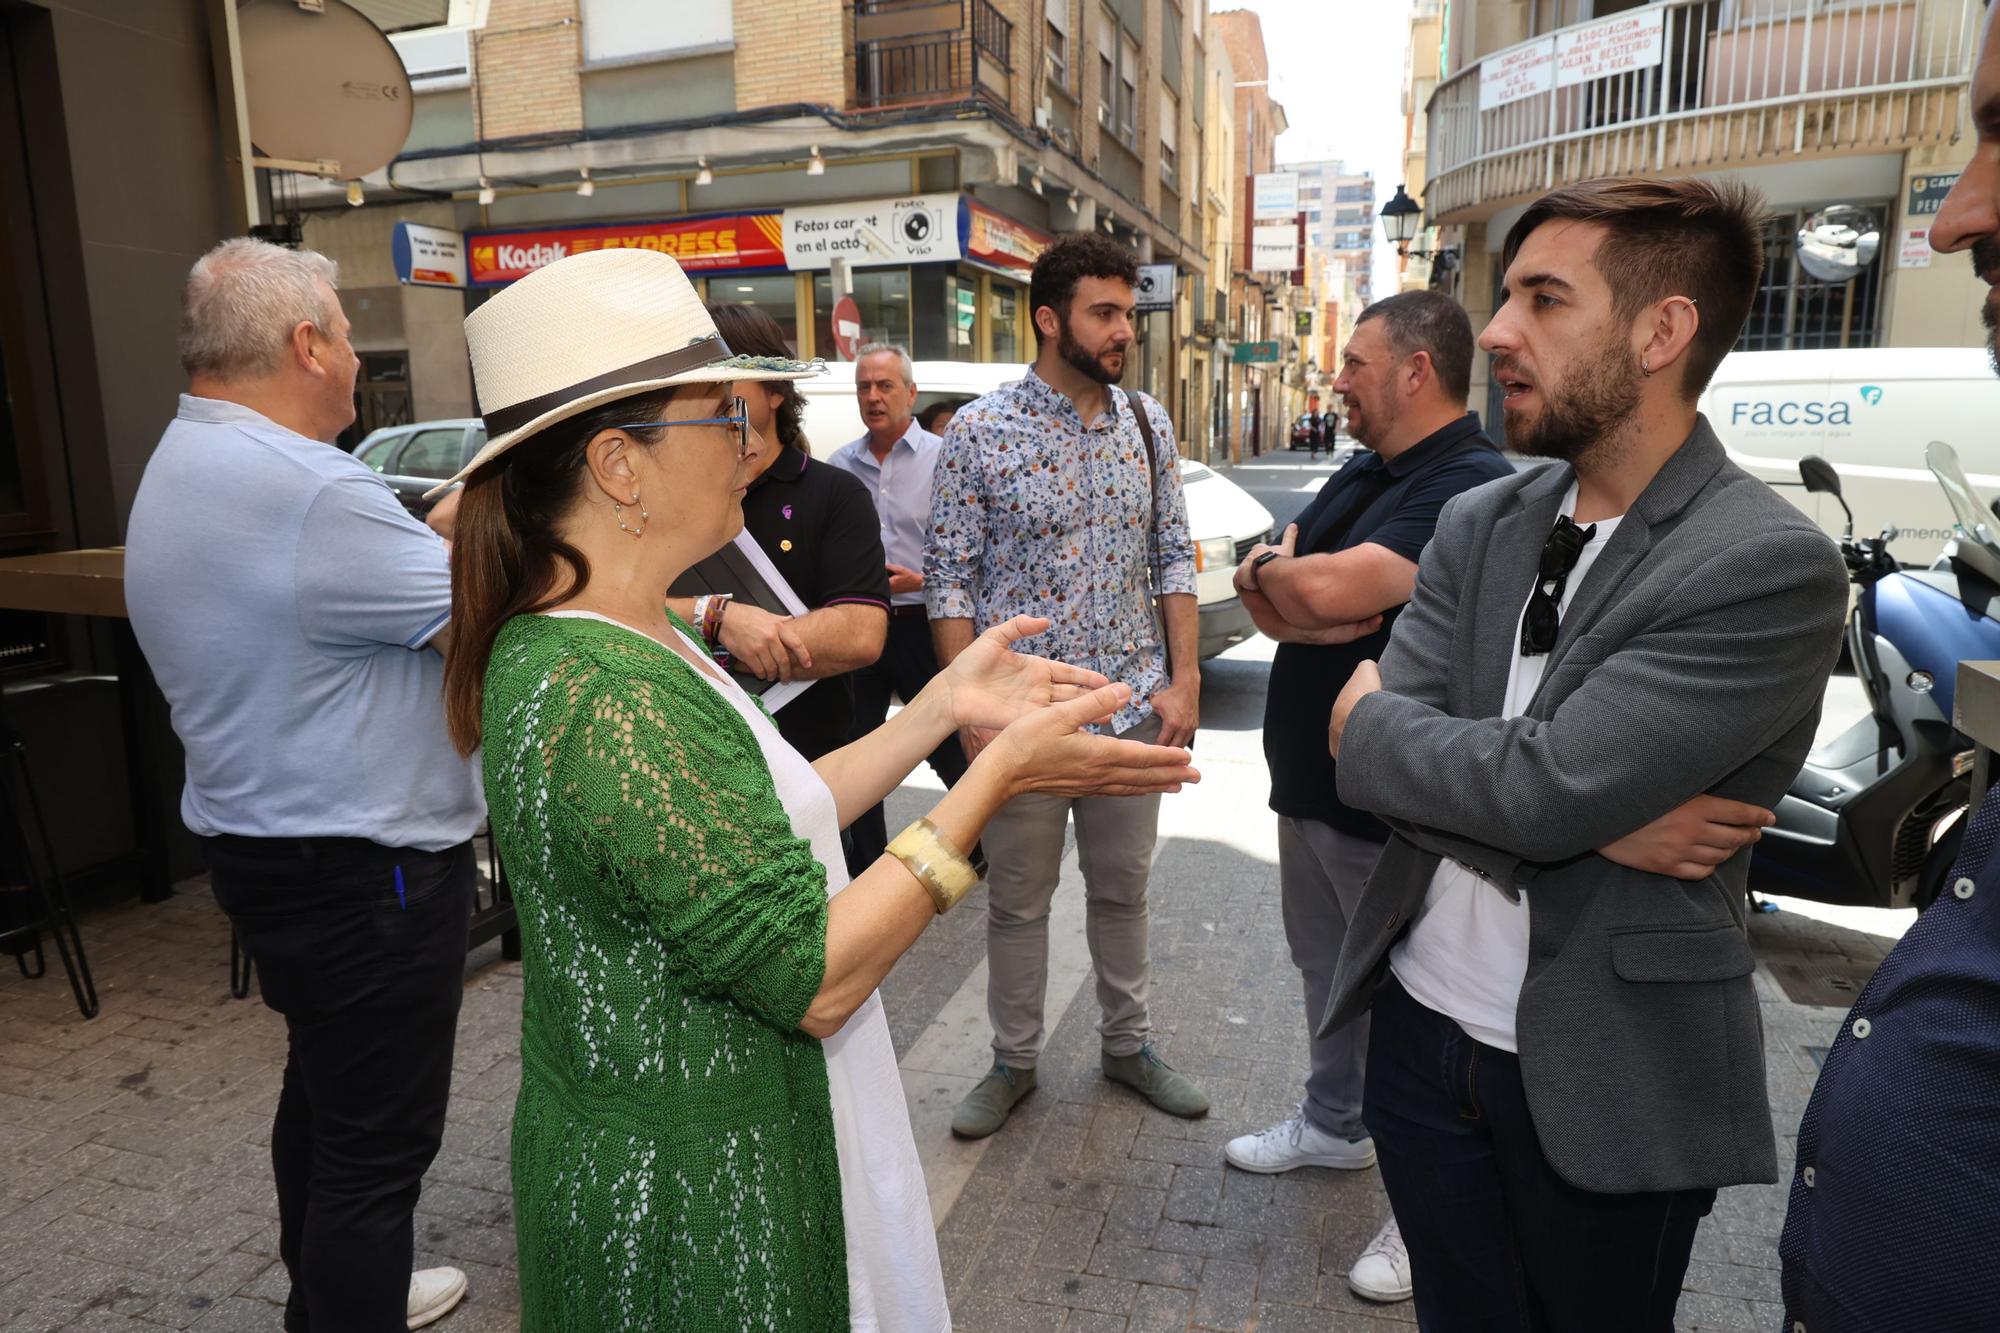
[1818, 475]
[1820, 479]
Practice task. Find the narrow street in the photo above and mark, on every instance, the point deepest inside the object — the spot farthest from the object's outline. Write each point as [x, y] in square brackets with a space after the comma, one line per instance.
[135, 1187]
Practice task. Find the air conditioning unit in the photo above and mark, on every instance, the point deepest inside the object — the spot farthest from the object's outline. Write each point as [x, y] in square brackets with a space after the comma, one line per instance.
[436, 59]
[1104, 115]
[1044, 115]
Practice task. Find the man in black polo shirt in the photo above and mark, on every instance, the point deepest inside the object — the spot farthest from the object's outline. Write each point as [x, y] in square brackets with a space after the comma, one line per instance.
[1329, 595]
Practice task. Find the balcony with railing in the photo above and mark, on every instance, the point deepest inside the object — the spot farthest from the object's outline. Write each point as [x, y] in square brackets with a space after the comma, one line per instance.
[1685, 86]
[911, 53]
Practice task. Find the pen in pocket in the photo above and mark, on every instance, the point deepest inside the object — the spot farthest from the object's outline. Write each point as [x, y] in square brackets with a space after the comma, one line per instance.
[401, 899]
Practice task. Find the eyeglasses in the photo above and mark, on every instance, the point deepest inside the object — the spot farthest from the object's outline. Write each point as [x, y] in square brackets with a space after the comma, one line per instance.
[1544, 614]
[739, 418]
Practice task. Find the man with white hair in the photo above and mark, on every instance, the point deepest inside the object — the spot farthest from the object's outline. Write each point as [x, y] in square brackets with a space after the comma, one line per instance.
[895, 460]
[293, 614]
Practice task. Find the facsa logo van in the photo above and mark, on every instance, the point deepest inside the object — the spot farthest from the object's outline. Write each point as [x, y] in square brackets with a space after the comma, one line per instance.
[1796, 412]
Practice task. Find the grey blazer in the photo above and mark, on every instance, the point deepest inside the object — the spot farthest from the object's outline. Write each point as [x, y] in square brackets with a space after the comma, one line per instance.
[1692, 659]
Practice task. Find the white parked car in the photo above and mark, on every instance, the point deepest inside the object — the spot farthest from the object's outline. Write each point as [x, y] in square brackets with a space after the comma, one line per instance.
[1869, 412]
[1224, 520]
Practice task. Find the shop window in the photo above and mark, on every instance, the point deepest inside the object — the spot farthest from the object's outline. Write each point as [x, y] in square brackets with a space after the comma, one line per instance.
[1003, 315]
[961, 316]
[775, 294]
[883, 295]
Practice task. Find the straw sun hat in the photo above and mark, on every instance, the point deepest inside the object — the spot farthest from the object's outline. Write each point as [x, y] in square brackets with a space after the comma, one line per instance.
[588, 329]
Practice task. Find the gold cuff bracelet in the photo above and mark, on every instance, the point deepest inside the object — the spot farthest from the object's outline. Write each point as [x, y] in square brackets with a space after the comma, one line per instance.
[940, 867]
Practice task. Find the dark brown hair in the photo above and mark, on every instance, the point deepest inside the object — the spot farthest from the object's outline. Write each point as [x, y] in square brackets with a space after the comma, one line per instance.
[751, 332]
[508, 557]
[1433, 323]
[1069, 261]
[1701, 239]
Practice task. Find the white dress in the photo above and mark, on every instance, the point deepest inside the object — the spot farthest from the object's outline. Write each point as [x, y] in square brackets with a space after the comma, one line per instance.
[894, 1281]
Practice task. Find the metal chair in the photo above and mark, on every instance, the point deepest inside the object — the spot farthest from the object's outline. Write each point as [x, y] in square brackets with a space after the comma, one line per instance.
[24, 836]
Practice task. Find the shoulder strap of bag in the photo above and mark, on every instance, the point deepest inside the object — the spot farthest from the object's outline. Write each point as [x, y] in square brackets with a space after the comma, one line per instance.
[1152, 468]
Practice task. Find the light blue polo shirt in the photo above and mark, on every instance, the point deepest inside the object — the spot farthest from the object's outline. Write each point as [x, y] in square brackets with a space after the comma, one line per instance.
[284, 600]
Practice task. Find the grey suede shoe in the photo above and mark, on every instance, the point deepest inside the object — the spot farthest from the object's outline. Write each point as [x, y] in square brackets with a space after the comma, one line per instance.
[985, 1108]
[1157, 1081]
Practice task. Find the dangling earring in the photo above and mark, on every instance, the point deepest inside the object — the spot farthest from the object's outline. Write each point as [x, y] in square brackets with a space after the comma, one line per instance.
[1646, 369]
[618, 513]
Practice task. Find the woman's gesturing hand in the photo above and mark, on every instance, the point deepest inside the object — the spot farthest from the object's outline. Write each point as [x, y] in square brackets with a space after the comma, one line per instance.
[1047, 750]
[989, 685]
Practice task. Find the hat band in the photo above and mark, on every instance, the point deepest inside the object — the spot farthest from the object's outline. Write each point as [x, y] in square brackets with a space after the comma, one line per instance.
[692, 357]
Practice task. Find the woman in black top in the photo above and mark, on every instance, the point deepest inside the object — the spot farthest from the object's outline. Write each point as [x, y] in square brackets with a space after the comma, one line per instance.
[819, 529]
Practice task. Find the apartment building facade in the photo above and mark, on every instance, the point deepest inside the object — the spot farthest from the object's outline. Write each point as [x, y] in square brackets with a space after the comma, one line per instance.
[1260, 397]
[936, 146]
[1817, 103]
[1339, 207]
[1417, 261]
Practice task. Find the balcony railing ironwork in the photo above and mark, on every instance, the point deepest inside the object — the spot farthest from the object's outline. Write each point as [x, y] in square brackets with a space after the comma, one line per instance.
[1734, 82]
[912, 52]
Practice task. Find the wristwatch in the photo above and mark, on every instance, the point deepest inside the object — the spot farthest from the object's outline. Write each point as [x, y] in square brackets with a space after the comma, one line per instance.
[1258, 564]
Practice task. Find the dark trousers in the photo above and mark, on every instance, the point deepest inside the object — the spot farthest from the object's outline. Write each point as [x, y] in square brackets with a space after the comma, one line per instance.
[1498, 1241]
[907, 664]
[369, 981]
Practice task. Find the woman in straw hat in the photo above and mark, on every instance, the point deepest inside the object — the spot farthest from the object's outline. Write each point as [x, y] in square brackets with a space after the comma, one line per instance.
[710, 1132]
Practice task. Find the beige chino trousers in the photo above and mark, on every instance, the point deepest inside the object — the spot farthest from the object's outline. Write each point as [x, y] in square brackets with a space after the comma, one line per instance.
[1024, 847]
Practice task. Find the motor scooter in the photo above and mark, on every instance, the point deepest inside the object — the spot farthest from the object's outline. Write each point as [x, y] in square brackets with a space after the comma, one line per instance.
[1876, 815]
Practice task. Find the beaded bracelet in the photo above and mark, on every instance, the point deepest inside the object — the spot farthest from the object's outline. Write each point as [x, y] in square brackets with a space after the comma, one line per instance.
[941, 868]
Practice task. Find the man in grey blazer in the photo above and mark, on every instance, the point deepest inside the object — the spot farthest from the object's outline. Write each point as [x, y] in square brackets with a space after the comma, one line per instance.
[1610, 669]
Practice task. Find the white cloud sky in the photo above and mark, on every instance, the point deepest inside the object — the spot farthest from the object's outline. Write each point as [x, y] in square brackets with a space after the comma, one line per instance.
[1337, 66]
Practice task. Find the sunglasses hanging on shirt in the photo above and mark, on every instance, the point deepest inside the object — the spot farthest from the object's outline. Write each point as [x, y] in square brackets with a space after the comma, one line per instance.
[1543, 618]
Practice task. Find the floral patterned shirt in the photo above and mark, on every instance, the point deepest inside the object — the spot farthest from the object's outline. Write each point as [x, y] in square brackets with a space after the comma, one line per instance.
[1036, 512]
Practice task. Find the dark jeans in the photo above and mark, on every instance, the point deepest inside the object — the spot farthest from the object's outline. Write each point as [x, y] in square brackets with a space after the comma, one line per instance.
[369, 982]
[907, 664]
[1498, 1241]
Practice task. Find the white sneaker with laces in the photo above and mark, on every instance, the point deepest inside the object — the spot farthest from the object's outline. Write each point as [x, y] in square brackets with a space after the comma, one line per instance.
[1382, 1273]
[434, 1293]
[1297, 1142]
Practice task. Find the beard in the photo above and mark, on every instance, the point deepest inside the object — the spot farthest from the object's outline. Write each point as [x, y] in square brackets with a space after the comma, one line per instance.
[1087, 363]
[1986, 263]
[1581, 414]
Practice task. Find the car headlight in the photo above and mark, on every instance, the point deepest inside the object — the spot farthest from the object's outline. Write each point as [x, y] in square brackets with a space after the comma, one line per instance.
[1215, 553]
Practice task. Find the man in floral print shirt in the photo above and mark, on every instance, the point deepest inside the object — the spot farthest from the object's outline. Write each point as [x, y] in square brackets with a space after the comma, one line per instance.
[1049, 501]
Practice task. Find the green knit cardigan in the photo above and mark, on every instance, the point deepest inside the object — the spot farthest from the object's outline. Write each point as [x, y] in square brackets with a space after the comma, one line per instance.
[674, 1163]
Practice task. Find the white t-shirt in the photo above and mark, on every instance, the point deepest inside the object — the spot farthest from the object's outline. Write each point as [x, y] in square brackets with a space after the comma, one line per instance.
[1466, 954]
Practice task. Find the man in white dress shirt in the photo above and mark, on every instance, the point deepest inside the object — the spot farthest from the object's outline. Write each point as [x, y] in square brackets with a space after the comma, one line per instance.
[895, 460]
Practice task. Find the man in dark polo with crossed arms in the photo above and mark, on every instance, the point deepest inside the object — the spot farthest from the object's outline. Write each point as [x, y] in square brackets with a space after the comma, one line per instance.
[1345, 569]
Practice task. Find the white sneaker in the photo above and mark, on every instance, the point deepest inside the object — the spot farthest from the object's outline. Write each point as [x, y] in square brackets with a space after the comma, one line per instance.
[1382, 1273]
[434, 1293]
[1297, 1142]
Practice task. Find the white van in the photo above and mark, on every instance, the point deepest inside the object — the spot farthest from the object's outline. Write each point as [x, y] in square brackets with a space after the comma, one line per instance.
[1869, 412]
[1224, 520]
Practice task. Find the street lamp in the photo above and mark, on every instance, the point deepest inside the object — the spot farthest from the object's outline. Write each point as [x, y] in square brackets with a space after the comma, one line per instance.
[1402, 219]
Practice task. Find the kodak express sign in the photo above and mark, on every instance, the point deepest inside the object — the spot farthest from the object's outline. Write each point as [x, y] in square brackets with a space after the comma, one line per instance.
[719, 243]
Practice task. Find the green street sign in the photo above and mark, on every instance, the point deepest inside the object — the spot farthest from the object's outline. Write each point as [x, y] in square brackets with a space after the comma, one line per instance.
[1255, 353]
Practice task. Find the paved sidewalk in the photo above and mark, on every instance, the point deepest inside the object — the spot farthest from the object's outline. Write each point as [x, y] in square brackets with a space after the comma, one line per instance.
[135, 1184]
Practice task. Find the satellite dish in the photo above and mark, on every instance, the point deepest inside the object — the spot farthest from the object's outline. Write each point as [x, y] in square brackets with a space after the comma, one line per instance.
[1838, 243]
[326, 90]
